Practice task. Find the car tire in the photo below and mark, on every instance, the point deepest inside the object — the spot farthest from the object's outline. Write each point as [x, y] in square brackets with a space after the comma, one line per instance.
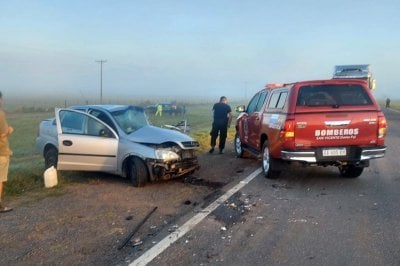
[50, 157]
[138, 172]
[238, 146]
[350, 171]
[268, 163]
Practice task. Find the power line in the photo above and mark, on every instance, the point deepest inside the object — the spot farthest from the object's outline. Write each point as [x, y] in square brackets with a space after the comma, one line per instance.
[101, 78]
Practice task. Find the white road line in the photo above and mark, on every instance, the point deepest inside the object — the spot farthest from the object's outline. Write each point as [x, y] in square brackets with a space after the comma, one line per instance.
[157, 249]
[394, 110]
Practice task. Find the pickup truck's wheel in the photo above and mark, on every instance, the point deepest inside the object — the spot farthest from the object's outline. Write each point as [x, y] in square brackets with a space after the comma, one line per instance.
[268, 163]
[238, 145]
[350, 171]
[50, 157]
[138, 172]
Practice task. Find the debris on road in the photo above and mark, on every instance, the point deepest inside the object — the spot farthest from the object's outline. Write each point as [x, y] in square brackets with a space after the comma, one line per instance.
[173, 228]
[137, 228]
[137, 242]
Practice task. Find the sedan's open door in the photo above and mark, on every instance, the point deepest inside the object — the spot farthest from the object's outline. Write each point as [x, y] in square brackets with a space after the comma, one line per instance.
[85, 143]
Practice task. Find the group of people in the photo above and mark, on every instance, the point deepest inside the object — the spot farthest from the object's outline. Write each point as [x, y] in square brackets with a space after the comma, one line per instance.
[222, 117]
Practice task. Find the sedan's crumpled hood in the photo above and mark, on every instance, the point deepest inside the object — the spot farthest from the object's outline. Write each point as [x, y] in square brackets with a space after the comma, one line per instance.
[156, 135]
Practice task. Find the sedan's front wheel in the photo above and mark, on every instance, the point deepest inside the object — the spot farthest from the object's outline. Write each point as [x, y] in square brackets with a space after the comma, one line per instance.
[138, 172]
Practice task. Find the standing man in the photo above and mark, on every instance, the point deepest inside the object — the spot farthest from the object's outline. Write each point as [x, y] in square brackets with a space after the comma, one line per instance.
[5, 151]
[388, 103]
[221, 123]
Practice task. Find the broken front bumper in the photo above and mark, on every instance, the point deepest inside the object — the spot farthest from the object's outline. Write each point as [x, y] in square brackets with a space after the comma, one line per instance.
[164, 170]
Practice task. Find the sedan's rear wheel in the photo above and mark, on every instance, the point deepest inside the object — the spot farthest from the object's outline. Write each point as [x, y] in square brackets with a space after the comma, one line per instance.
[138, 172]
[50, 157]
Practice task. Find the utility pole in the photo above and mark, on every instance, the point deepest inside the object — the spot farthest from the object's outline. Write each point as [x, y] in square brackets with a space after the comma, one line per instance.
[101, 78]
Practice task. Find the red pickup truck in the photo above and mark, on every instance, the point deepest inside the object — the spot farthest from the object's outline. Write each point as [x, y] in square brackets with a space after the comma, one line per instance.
[322, 122]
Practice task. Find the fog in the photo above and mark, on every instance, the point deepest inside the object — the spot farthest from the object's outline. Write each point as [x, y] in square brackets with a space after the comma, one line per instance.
[187, 51]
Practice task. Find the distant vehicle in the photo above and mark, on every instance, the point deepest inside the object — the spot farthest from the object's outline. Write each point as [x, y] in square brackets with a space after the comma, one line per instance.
[115, 139]
[355, 72]
[323, 122]
[167, 108]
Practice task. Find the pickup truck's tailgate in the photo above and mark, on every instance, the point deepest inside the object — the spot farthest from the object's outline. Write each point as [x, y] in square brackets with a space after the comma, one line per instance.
[329, 129]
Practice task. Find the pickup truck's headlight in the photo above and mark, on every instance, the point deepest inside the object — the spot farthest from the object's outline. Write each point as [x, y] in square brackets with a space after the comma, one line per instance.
[166, 155]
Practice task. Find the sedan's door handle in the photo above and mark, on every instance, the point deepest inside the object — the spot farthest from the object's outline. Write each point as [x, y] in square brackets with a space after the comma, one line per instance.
[67, 143]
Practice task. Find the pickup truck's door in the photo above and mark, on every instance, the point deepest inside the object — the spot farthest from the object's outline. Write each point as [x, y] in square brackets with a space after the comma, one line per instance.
[254, 121]
[85, 143]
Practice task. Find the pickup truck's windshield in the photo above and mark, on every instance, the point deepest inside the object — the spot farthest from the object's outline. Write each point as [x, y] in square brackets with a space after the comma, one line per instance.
[333, 95]
[130, 119]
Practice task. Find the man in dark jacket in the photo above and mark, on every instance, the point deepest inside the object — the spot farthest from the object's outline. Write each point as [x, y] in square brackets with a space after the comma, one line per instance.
[222, 121]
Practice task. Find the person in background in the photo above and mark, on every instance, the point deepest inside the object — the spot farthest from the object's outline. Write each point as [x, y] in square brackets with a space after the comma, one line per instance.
[159, 110]
[5, 152]
[221, 123]
[387, 103]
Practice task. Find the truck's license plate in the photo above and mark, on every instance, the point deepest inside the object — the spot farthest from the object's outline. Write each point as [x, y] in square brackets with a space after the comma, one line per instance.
[334, 152]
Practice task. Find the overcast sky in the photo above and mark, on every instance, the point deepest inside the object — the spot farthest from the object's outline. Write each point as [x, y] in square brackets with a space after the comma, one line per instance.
[191, 49]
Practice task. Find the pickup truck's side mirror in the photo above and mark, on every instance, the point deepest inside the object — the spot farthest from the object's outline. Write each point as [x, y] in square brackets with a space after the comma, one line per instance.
[240, 108]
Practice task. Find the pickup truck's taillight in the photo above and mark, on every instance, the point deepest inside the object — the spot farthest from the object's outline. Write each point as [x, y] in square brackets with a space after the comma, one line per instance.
[382, 127]
[287, 131]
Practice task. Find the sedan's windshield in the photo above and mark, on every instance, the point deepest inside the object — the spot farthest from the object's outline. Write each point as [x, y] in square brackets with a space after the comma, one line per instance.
[131, 119]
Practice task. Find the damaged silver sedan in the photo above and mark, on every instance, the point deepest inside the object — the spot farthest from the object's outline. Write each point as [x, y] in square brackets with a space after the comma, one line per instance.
[116, 139]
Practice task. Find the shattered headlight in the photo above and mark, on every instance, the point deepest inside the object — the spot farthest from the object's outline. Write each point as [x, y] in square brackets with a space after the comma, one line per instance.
[166, 155]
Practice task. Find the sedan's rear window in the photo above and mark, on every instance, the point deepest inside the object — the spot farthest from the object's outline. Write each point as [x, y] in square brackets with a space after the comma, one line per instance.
[333, 95]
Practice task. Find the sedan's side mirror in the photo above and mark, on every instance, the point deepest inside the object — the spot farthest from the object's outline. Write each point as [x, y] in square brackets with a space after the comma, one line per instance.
[240, 108]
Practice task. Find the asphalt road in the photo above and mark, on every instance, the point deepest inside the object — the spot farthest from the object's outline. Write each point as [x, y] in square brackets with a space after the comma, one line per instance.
[309, 216]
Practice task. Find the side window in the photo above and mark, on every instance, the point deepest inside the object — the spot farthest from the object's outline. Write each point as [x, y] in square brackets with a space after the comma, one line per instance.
[81, 124]
[71, 122]
[278, 100]
[95, 128]
[261, 101]
[103, 117]
[282, 100]
[253, 104]
[274, 100]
